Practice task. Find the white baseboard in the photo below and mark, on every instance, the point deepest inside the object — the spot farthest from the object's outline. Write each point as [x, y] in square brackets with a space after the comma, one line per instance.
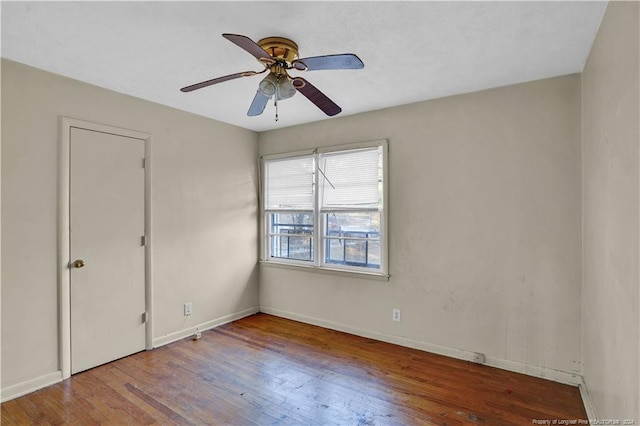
[23, 388]
[587, 401]
[565, 377]
[181, 334]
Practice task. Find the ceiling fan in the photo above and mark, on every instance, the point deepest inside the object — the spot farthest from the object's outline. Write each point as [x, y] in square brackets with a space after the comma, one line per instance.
[279, 55]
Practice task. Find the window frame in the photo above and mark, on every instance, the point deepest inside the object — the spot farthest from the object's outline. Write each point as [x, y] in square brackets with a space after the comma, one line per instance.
[319, 263]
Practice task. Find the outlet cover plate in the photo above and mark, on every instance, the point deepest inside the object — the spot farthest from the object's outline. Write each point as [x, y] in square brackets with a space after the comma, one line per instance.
[395, 314]
[479, 358]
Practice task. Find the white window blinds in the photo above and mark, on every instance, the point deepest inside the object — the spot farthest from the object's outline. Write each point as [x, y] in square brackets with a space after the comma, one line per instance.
[289, 184]
[350, 180]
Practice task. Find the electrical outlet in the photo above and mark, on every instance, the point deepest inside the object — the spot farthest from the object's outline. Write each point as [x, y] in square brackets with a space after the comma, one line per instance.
[187, 309]
[396, 315]
[478, 358]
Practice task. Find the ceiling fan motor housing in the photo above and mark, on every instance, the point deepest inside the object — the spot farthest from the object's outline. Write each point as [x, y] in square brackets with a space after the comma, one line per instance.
[280, 48]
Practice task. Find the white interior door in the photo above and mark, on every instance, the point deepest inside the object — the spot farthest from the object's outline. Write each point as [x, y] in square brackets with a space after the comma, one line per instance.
[107, 255]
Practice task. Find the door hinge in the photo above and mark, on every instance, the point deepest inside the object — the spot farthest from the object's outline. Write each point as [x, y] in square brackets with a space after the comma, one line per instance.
[144, 163]
[145, 317]
[143, 240]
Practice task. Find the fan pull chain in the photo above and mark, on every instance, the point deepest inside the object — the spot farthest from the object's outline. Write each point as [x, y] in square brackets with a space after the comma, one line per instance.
[275, 102]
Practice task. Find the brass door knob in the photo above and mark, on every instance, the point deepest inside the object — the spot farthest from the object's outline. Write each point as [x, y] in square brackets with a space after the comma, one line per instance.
[78, 263]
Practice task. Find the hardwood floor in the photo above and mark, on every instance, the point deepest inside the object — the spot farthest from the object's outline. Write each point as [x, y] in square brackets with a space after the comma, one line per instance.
[265, 370]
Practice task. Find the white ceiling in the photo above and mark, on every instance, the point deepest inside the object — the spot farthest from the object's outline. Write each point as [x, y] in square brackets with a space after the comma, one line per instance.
[412, 51]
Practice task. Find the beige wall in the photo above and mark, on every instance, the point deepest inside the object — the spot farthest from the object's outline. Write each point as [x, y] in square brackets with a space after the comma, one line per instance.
[204, 208]
[485, 228]
[611, 322]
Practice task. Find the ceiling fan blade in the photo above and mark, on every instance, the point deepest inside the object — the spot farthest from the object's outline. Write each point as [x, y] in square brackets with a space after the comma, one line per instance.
[247, 44]
[346, 61]
[218, 80]
[258, 104]
[316, 96]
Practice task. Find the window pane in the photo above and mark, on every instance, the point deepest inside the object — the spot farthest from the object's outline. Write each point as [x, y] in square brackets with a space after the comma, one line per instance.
[361, 224]
[361, 253]
[292, 247]
[353, 239]
[291, 222]
[291, 235]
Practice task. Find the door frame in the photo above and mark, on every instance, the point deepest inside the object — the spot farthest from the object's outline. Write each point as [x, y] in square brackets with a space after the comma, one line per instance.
[64, 243]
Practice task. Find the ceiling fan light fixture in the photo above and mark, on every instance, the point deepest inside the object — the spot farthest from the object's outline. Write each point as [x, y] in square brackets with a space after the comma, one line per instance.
[268, 85]
[285, 88]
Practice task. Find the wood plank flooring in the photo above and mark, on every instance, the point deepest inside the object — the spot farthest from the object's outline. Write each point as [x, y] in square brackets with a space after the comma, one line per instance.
[265, 370]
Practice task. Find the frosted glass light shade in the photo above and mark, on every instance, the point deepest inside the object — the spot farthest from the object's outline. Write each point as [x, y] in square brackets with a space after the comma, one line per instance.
[285, 88]
[268, 85]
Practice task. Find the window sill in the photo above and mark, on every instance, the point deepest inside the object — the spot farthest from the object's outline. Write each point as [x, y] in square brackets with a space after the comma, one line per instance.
[325, 270]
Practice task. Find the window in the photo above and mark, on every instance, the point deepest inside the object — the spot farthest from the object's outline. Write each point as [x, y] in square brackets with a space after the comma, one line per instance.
[325, 209]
